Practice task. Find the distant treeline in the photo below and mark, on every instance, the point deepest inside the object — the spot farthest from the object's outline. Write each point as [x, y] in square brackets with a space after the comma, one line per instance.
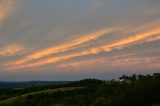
[20, 85]
[135, 90]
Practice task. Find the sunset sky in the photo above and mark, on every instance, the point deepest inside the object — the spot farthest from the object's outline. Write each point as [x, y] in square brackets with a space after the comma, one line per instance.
[76, 39]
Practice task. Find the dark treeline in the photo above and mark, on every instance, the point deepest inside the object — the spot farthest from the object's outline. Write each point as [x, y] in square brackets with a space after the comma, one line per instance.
[135, 90]
[7, 85]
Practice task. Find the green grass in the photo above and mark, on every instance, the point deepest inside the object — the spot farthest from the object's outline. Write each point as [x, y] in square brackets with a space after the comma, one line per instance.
[49, 91]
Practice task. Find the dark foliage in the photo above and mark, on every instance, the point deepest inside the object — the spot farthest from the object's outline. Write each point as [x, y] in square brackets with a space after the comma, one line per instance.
[135, 90]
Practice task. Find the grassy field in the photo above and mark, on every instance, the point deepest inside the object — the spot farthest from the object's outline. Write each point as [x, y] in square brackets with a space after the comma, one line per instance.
[11, 100]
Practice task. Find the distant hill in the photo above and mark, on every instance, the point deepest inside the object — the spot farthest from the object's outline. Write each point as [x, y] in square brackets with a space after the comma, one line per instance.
[21, 85]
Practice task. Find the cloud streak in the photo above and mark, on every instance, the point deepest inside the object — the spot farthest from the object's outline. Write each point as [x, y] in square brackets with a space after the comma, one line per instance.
[81, 64]
[64, 47]
[122, 43]
[118, 62]
[11, 50]
[131, 40]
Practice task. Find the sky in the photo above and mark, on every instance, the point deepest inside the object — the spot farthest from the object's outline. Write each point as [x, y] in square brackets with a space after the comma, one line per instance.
[77, 39]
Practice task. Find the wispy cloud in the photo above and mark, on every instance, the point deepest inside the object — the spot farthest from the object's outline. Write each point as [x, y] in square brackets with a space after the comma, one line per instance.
[54, 59]
[131, 40]
[118, 62]
[64, 47]
[81, 64]
[122, 43]
[142, 28]
[156, 38]
[11, 50]
[5, 9]
[135, 61]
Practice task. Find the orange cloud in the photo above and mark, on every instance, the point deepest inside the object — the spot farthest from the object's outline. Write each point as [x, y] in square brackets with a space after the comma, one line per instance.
[54, 59]
[153, 39]
[130, 40]
[11, 50]
[106, 48]
[64, 47]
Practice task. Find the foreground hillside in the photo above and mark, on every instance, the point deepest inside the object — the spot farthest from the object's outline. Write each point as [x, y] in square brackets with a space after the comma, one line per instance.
[14, 101]
[132, 90]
